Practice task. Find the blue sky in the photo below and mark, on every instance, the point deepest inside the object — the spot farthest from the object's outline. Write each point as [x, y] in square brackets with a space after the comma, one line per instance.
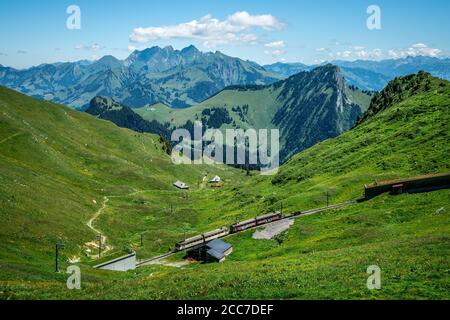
[34, 32]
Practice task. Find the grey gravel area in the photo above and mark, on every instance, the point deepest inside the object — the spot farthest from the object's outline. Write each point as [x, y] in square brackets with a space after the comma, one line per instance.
[273, 229]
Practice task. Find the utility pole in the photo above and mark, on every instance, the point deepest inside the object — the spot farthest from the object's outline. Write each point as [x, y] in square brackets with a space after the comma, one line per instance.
[328, 199]
[142, 242]
[58, 246]
[99, 237]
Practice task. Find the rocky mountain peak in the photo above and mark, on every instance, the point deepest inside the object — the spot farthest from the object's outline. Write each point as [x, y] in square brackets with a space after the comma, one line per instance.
[190, 51]
[100, 104]
[397, 90]
[144, 55]
[109, 61]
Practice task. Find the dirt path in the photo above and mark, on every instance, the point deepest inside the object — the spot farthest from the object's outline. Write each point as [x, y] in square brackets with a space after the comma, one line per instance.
[94, 244]
[103, 207]
[96, 215]
[10, 137]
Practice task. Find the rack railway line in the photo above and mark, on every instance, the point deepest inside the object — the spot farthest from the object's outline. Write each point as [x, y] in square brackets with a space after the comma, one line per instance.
[406, 185]
[200, 240]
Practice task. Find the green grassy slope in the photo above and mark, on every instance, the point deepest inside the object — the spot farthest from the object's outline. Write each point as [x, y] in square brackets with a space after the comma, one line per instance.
[56, 168]
[407, 139]
[321, 256]
[262, 105]
[326, 255]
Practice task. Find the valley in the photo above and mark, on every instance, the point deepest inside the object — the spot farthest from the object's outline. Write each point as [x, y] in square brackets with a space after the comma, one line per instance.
[404, 133]
[224, 159]
[284, 105]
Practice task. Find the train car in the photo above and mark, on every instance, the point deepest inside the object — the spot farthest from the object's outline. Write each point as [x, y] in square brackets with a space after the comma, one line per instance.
[219, 233]
[201, 239]
[243, 225]
[247, 224]
[268, 218]
[191, 242]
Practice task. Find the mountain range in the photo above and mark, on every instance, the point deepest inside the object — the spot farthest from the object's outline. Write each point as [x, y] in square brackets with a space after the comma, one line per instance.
[179, 78]
[374, 75]
[183, 78]
[307, 108]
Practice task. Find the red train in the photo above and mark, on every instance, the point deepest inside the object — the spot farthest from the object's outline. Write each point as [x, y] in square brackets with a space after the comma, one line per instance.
[247, 224]
[222, 232]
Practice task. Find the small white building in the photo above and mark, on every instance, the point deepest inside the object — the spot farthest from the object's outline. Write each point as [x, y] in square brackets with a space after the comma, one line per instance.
[216, 179]
[181, 185]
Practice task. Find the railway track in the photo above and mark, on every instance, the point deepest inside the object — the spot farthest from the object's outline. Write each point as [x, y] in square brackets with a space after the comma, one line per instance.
[312, 211]
[154, 259]
[289, 216]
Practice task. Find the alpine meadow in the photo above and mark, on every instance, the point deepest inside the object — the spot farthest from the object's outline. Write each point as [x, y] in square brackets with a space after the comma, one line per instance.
[94, 206]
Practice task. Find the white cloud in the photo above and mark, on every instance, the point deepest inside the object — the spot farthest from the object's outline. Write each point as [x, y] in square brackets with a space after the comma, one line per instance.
[92, 47]
[132, 48]
[344, 54]
[418, 49]
[366, 54]
[377, 53]
[233, 30]
[354, 52]
[360, 52]
[275, 53]
[265, 21]
[275, 44]
[419, 45]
